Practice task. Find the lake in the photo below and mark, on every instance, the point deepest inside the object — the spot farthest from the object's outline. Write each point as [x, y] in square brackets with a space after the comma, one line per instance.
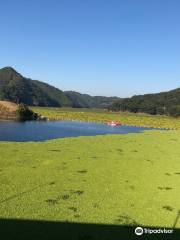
[40, 131]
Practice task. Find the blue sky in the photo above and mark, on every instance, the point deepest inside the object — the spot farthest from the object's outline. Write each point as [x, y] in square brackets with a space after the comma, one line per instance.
[100, 47]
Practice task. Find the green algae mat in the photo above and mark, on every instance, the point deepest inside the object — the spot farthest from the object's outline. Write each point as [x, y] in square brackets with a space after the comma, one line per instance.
[103, 116]
[122, 180]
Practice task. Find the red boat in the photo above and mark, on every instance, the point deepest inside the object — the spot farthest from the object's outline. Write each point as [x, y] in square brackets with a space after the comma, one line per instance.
[113, 123]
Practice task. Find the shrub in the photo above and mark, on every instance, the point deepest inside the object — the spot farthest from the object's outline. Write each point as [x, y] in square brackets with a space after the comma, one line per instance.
[174, 111]
[24, 113]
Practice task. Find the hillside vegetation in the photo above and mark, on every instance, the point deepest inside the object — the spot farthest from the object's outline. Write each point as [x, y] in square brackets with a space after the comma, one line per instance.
[167, 103]
[16, 88]
[79, 100]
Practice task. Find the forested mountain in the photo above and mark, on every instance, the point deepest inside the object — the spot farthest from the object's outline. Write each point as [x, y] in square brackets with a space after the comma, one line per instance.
[87, 101]
[159, 103]
[16, 88]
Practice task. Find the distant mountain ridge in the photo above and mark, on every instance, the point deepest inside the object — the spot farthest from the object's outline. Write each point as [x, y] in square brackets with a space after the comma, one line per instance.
[79, 100]
[158, 103]
[16, 88]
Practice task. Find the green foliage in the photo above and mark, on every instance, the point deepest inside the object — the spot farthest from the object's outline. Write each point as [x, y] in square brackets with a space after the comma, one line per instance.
[160, 103]
[24, 113]
[79, 100]
[16, 88]
[132, 186]
[174, 111]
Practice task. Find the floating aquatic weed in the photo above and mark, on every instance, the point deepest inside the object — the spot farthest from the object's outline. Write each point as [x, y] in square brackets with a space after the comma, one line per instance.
[125, 220]
[132, 187]
[131, 119]
[147, 160]
[55, 150]
[82, 171]
[78, 192]
[169, 208]
[52, 201]
[51, 183]
[165, 188]
[73, 209]
[96, 205]
[168, 174]
[65, 197]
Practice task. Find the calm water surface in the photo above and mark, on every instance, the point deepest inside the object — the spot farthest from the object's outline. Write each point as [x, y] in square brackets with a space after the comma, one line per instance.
[40, 131]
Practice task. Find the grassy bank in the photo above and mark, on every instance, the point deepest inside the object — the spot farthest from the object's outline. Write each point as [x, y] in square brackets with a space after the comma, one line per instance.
[94, 115]
[122, 179]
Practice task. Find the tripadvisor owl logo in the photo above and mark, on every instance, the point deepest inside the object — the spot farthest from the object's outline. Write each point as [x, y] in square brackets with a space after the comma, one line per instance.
[139, 231]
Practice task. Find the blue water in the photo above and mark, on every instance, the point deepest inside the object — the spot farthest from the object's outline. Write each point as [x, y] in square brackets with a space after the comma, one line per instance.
[40, 131]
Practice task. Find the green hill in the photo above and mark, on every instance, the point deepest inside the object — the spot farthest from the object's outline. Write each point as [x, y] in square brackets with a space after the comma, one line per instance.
[159, 103]
[16, 88]
[79, 100]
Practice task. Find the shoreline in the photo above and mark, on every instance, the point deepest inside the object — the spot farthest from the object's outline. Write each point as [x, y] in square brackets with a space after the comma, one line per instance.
[81, 121]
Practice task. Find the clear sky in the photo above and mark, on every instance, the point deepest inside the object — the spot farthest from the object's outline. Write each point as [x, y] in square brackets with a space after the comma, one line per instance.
[100, 47]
